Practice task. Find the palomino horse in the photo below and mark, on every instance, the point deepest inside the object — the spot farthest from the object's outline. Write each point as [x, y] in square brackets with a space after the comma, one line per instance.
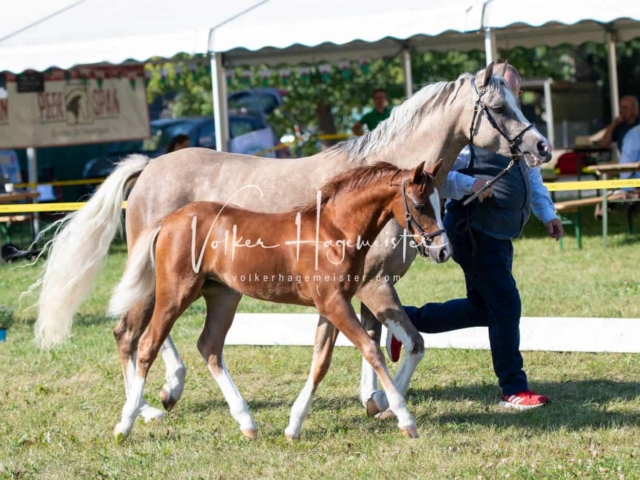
[313, 255]
[434, 124]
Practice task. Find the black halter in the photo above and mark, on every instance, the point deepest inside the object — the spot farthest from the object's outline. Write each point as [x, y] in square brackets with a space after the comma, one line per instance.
[427, 238]
[516, 155]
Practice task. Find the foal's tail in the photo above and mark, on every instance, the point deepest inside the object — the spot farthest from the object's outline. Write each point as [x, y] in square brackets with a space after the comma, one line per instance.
[77, 252]
[139, 279]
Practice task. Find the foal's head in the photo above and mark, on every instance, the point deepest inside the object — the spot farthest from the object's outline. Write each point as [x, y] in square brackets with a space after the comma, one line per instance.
[419, 211]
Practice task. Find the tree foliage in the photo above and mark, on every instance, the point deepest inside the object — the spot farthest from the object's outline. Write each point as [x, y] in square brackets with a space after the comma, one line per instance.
[331, 102]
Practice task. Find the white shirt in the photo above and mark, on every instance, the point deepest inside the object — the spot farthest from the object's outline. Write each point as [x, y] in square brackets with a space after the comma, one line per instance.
[458, 185]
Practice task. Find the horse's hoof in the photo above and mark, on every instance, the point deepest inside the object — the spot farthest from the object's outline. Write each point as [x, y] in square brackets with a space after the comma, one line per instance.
[386, 415]
[121, 432]
[410, 432]
[372, 408]
[168, 402]
[290, 435]
[249, 433]
[149, 414]
[377, 403]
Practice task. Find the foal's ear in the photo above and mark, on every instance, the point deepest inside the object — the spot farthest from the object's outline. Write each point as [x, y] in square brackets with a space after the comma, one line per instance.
[487, 75]
[417, 174]
[434, 169]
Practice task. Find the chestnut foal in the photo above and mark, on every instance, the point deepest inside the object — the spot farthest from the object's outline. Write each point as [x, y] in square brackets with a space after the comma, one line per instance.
[313, 255]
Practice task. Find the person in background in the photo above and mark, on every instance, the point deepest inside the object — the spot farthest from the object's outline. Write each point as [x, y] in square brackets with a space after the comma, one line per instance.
[178, 143]
[376, 116]
[624, 122]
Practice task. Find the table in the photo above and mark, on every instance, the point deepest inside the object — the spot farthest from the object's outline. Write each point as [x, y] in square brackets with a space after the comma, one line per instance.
[603, 172]
[12, 198]
[17, 196]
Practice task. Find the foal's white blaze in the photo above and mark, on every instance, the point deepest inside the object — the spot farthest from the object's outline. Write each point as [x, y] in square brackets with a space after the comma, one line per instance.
[434, 198]
[237, 406]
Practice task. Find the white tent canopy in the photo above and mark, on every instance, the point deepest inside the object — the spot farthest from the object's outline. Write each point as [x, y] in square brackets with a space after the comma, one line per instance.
[554, 22]
[96, 31]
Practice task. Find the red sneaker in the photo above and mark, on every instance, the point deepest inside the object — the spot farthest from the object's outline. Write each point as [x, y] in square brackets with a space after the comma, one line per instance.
[524, 400]
[394, 346]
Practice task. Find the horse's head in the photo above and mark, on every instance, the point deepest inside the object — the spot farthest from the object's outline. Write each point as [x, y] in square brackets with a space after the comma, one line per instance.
[419, 212]
[494, 121]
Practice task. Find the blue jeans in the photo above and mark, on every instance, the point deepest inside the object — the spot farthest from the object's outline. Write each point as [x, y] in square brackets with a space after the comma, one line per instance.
[492, 301]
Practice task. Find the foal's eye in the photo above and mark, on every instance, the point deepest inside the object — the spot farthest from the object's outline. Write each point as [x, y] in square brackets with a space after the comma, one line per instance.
[420, 208]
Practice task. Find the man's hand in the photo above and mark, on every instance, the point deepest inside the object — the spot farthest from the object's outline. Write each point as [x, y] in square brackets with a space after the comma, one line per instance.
[554, 228]
[477, 185]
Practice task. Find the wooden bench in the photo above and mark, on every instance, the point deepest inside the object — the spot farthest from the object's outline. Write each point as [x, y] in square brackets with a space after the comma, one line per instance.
[569, 213]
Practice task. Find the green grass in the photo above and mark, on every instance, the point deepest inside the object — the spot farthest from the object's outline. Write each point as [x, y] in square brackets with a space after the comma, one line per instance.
[58, 409]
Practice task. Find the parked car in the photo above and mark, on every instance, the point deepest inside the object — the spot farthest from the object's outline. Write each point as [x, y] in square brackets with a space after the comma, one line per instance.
[249, 132]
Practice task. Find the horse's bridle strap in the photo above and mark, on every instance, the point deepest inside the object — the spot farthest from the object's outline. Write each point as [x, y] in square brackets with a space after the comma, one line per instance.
[479, 106]
[426, 237]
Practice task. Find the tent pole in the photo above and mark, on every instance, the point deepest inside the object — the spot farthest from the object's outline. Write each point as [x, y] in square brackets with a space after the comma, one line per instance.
[220, 106]
[548, 108]
[32, 163]
[613, 74]
[490, 50]
[408, 75]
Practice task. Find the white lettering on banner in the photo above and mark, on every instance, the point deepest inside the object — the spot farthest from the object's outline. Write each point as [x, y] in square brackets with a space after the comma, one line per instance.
[81, 105]
[105, 103]
[51, 106]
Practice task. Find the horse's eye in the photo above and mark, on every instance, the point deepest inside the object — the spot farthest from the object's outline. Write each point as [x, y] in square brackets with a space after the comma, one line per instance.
[420, 207]
[498, 109]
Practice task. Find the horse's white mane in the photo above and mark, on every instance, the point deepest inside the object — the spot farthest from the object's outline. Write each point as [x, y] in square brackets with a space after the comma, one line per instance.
[406, 116]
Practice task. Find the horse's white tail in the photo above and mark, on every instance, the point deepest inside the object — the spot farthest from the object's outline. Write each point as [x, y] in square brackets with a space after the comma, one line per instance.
[77, 253]
[139, 279]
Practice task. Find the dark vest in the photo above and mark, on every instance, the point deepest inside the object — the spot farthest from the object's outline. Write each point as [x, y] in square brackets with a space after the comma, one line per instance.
[504, 215]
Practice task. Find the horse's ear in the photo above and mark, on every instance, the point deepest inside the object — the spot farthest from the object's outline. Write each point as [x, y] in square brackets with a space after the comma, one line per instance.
[487, 75]
[434, 169]
[505, 65]
[417, 174]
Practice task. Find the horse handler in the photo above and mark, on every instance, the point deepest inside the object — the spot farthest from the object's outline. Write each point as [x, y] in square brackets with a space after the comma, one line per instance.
[481, 235]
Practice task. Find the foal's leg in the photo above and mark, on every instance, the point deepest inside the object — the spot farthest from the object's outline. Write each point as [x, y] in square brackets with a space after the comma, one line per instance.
[370, 396]
[383, 301]
[127, 333]
[174, 376]
[222, 303]
[172, 299]
[341, 314]
[326, 335]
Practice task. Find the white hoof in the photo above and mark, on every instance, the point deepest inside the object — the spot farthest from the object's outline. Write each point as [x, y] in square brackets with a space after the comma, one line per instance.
[122, 431]
[290, 434]
[148, 414]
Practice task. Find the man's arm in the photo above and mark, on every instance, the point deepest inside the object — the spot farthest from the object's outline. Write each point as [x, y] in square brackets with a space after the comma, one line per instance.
[458, 185]
[542, 205]
[357, 128]
[607, 140]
